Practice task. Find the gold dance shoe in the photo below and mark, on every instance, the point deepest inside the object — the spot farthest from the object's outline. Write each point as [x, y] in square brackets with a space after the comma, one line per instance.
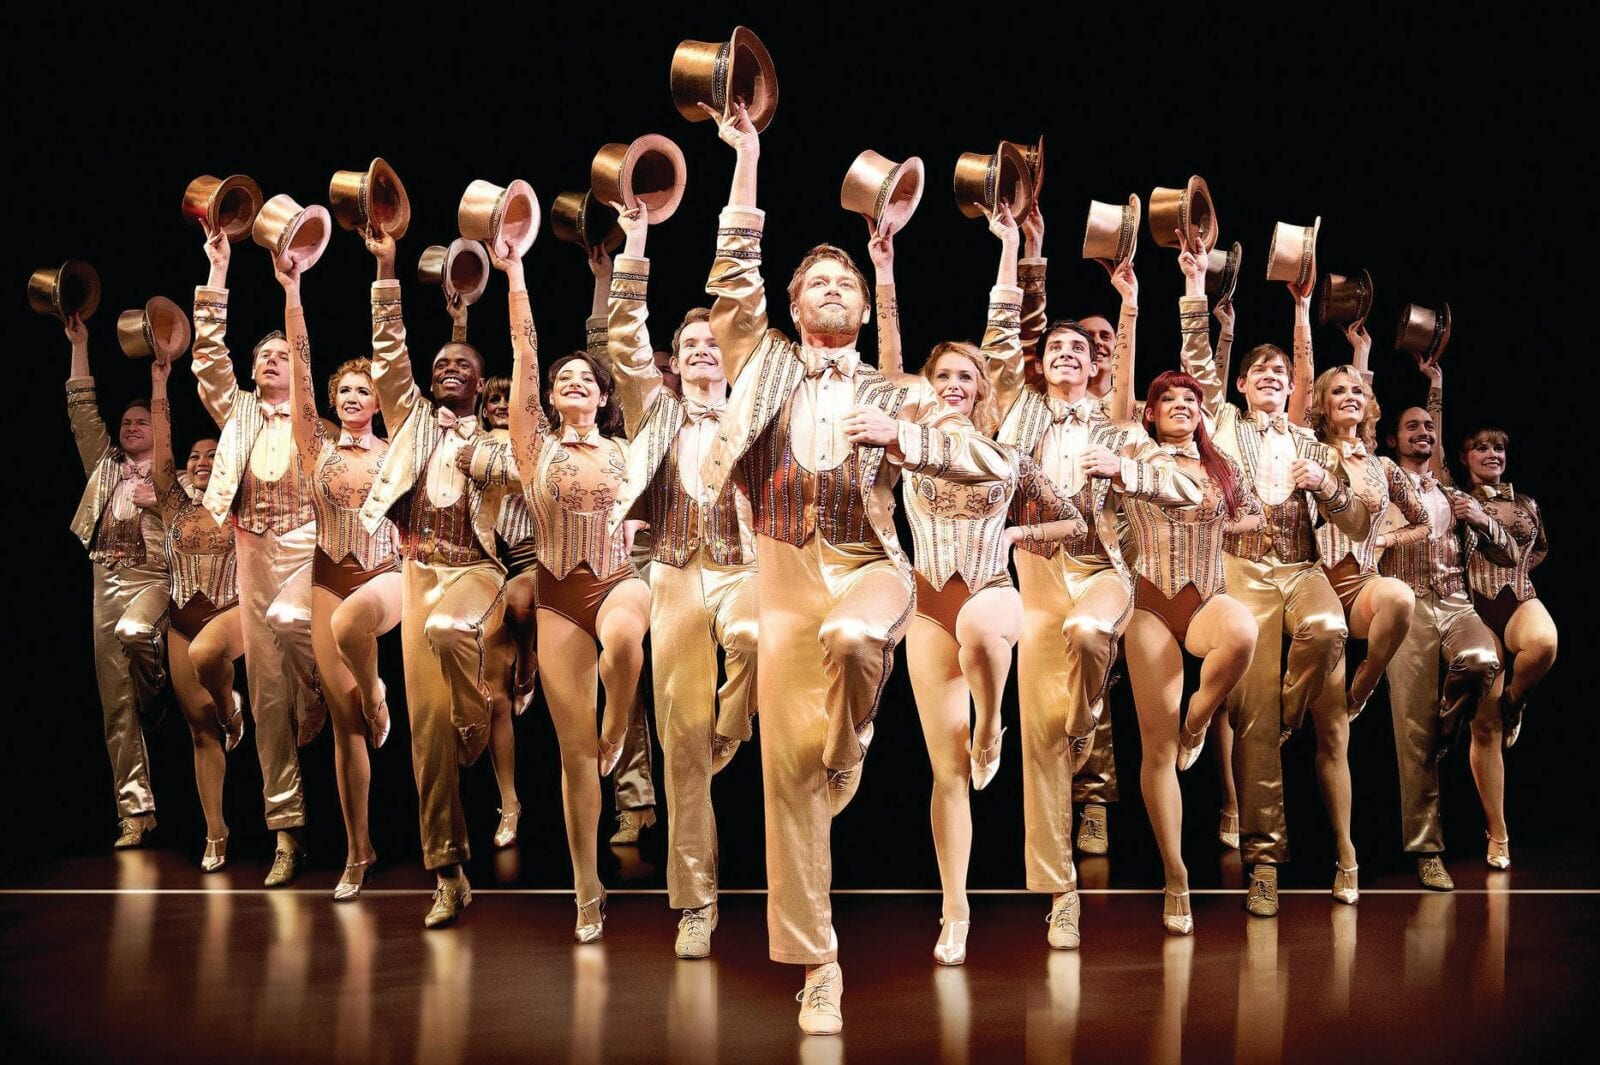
[630, 823]
[286, 865]
[985, 763]
[216, 855]
[819, 1001]
[450, 896]
[1499, 856]
[1063, 921]
[952, 946]
[1228, 830]
[1190, 745]
[1092, 839]
[1433, 875]
[1263, 898]
[591, 919]
[354, 878]
[1175, 915]
[1345, 888]
[694, 932]
[506, 834]
[233, 728]
[610, 755]
[843, 783]
[134, 829]
[722, 752]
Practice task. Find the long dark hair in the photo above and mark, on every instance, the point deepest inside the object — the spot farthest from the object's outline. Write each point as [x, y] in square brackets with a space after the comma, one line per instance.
[1218, 466]
[608, 419]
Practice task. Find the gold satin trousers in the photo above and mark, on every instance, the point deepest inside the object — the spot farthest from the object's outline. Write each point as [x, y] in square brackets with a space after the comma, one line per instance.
[275, 616]
[633, 782]
[1291, 599]
[130, 609]
[830, 617]
[1444, 630]
[1097, 780]
[457, 655]
[1063, 657]
[694, 611]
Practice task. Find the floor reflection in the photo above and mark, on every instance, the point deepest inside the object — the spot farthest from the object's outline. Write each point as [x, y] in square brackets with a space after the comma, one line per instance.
[1428, 933]
[692, 1018]
[281, 1004]
[1337, 994]
[955, 1014]
[446, 1003]
[632, 865]
[1263, 995]
[1489, 989]
[1177, 962]
[1094, 874]
[590, 990]
[508, 866]
[132, 920]
[359, 934]
[1051, 1027]
[214, 991]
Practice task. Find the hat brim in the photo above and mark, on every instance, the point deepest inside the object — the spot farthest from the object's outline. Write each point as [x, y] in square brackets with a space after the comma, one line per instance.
[752, 77]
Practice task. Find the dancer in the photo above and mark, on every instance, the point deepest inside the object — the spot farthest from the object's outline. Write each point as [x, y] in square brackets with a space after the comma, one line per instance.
[457, 655]
[1344, 414]
[968, 613]
[1273, 571]
[703, 593]
[807, 432]
[355, 575]
[118, 523]
[593, 607]
[1428, 719]
[1525, 634]
[255, 479]
[204, 637]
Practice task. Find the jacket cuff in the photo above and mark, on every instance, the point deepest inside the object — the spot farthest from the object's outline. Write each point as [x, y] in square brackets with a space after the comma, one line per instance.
[742, 218]
[1192, 314]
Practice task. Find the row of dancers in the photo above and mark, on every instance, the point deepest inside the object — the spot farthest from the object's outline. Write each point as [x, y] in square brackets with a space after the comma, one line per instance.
[501, 514]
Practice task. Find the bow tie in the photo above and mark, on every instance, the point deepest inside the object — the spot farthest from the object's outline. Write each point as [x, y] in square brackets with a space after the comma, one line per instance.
[1263, 421]
[135, 470]
[694, 410]
[275, 410]
[1353, 449]
[348, 439]
[587, 438]
[1496, 491]
[1062, 411]
[1191, 450]
[1426, 482]
[842, 363]
[462, 427]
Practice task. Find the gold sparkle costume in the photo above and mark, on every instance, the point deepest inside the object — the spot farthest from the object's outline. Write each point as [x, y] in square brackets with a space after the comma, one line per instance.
[126, 545]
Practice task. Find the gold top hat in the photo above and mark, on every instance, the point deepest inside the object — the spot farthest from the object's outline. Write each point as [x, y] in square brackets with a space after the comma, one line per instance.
[1222, 273]
[884, 191]
[1345, 299]
[229, 204]
[1292, 255]
[717, 74]
[580, 218]
[650, 169]
[983, 181]
[462, 269]
[1188, 209]
[159, 328]
[491, 214]
[1423, 331]
[1033, 155]
[372, 197]
[73, 288]
[293, 234]
[1112, 231]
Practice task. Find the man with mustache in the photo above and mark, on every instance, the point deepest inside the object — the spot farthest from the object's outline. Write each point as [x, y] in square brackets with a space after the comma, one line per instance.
[1445, 628]
[817, 439]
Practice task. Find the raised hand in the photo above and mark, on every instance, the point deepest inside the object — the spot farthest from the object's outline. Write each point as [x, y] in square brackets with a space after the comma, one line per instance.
[1224, 315]
[381, 245]
[1428, 366]
[1033, 230]
[600, 261]
[76, 331]
[289, 277]
[880, 249]
[735, 128]
[1126, 282]
[218, 248]
[1192, 261]
[1002, 223]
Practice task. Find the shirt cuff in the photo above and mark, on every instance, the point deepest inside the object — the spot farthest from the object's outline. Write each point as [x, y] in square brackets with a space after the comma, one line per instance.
[630, 264]
[203, 292]
[742, 218]
[389, 286]
[78, 384]
[1005, 294]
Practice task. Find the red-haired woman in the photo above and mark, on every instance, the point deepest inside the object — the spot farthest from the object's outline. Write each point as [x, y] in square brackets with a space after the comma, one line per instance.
[1179, 604]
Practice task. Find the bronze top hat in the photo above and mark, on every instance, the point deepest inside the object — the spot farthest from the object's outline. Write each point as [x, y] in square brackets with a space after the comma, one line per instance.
[882, 190]
[371, 198]
[1423, 331]
[491, 214]
[1222, 273]
[462, 269]
[159, 329]
[1345, 299]
[580, 218]
[650, 169]
[984, 181]
[718, 73]
[1033, 155]
[1112, 231]
[1292, 255]
[73, 288]
[293, 234]
[229, 204]
[1188, 209]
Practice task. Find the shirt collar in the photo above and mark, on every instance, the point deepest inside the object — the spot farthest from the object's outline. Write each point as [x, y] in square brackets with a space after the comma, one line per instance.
[842, 363]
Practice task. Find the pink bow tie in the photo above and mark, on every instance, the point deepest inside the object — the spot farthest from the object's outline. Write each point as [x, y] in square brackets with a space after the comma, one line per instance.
[275, 410]
[348, 439]
[1191, 450]
[1075, 413]
[462, 427]
[842, 364]
[694, 410]
[1263, 422]
[1353, 449]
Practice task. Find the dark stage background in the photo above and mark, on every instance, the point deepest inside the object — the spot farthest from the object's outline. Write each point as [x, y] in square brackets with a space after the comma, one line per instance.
[1437, 167]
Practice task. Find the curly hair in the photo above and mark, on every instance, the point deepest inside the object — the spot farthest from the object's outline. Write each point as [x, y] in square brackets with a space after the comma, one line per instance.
[1317, 416]
[985, 411]
[608, 419]
[362, 366]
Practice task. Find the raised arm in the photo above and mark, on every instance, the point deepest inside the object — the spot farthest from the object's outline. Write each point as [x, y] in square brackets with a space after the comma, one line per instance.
[739, 307]
[1198, 360]
[213, 369]
[595, 327]
[1223, 313]
[1126, 283]
[1360, 349]
[528, 424]
[891, 357]
[163, 468]
[628, 347]
[88, 429]
[302, 392]
[1305, 371]
[392, 376]
[1031, 277]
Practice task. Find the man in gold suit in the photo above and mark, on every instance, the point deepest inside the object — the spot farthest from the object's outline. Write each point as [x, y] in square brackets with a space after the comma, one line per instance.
[817, 439]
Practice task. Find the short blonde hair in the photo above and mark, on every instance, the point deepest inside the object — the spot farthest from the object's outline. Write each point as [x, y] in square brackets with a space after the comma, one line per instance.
[1317, 416]
[816, 255]
[361, 366]
[985, 411]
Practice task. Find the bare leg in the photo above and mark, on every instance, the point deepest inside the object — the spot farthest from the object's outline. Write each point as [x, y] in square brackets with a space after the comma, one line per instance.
[357, 622]
[1155, 670]
[1330, 716]
[1222, 737]
[1223, 634]
[523, 627]
[622, 622]
[570, 689]
[1531, 643]
[212, 654]
[1488, 759]
[987, 629]
[351, 769]
[942, 700]
[210, 762]
[1381, 615]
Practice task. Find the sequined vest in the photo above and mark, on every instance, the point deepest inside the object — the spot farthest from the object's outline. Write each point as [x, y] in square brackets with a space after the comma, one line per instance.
[677, 520]
[791, 503]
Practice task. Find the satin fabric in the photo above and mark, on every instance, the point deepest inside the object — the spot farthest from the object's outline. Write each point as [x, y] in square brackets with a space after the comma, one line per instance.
[130, 607]
[1097, 781]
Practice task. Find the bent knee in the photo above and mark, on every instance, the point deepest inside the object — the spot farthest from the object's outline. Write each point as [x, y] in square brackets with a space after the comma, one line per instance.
[1394, 598]
[851, 639]
[740, 640]
[133, 631]
[1084, 633]
[447, 633]
[1478, 662]
[1327, 630]
[284, 618]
